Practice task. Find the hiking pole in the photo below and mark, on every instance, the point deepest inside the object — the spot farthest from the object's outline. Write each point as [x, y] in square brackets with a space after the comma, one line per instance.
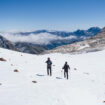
[61, 73]
[69, 73]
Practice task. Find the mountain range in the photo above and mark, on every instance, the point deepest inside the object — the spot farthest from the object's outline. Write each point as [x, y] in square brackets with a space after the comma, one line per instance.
[50, 39]
[91, 31]
[92, 44]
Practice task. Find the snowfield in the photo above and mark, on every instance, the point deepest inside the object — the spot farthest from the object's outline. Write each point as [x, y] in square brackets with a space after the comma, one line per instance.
[86, 85]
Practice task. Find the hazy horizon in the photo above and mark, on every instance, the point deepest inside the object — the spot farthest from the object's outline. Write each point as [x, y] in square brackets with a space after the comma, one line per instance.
[24, 30]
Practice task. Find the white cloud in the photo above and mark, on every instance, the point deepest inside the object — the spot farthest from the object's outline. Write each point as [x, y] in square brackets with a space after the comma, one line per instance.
[43, 38]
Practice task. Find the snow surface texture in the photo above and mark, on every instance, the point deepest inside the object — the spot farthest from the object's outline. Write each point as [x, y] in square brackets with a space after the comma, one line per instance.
[86, 85]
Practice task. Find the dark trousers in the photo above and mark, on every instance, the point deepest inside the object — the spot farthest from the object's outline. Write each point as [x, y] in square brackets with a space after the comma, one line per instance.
[49, 71]
[66, 74]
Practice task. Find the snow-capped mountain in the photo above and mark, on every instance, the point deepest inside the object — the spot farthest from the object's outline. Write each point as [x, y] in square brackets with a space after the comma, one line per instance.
[50, 39]
[23, 79]
[95, 43]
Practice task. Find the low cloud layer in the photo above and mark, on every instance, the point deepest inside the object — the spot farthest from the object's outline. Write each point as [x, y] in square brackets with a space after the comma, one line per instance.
[43, 38]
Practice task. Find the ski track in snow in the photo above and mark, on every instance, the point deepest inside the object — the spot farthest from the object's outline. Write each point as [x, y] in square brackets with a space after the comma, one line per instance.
[86, 85]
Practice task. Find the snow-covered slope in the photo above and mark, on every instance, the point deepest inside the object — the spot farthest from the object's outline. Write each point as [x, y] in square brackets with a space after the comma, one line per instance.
[86, 85]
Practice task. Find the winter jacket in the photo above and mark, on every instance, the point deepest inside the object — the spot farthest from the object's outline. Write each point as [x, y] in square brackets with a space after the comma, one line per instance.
[66, 67]
[49, 63]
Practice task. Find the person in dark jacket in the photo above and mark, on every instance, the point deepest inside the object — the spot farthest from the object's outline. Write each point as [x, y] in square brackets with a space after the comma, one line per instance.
[49, 67]
[66, 67]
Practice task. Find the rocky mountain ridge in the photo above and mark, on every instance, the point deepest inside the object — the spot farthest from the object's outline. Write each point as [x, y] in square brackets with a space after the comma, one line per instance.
[95, 43]
[4, 43]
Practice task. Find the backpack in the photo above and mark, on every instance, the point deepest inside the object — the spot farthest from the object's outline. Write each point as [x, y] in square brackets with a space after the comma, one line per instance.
[49, 63]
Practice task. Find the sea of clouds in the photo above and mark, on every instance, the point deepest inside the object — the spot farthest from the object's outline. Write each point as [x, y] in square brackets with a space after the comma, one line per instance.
[43, 38]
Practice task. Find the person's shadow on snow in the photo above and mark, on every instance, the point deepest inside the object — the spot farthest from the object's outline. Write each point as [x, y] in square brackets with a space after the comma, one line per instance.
[40, 75]
[58, 78]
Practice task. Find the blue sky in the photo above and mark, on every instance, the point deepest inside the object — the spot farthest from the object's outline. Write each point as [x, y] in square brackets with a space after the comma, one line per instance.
[51, 14]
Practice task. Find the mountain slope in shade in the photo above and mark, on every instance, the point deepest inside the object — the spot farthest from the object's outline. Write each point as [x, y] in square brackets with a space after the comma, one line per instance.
[4, 43]
[95, 43]
[29, 48]
[21, 47]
